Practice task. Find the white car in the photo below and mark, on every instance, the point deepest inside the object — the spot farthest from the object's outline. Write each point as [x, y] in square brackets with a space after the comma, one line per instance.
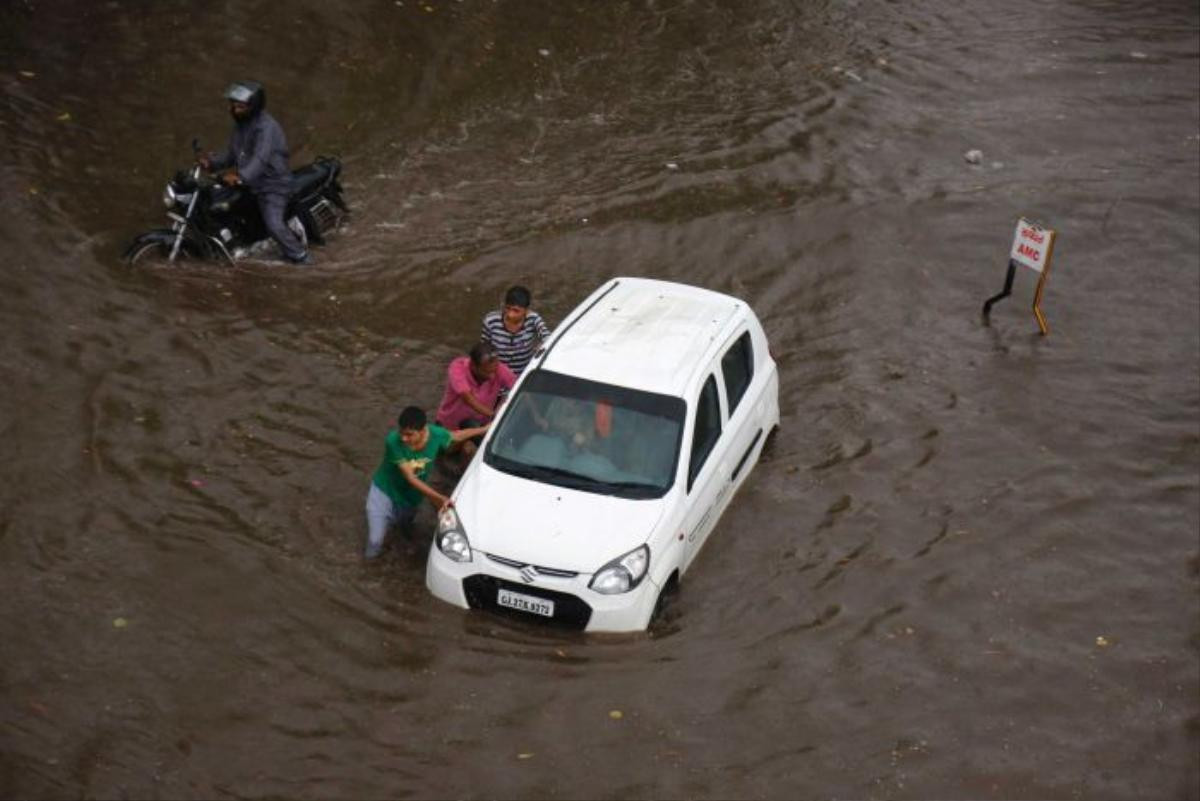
[613, 459]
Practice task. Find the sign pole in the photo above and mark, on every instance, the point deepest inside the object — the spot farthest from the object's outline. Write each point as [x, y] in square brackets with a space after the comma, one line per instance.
[1004, 293]
[1037, 295]
[1037, 311]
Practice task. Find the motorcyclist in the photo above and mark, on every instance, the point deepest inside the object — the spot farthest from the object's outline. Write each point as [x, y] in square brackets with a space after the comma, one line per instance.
[257, 157]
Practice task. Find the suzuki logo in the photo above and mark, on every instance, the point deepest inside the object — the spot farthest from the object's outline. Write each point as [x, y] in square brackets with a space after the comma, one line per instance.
[529, 574]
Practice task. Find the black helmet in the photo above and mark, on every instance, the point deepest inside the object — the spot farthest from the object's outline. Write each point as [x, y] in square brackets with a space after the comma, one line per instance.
[249, 92]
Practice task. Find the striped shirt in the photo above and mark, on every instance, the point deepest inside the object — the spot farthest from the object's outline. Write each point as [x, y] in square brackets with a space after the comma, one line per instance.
[515, 350]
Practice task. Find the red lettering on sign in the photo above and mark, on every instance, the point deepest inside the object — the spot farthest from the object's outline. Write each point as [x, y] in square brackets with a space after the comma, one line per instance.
[1029, 233]
[1025, 250]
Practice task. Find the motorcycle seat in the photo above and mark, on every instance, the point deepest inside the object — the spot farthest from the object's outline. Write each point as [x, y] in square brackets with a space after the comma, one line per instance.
[312, 177]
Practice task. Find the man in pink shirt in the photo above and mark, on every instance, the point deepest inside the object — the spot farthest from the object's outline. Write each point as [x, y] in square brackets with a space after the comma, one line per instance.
[473, 386]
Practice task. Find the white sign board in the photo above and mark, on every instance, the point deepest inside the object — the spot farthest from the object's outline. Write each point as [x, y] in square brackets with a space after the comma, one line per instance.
[1031, 245]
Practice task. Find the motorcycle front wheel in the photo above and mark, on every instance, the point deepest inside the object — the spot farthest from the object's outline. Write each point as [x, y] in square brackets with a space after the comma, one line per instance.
[148, 249]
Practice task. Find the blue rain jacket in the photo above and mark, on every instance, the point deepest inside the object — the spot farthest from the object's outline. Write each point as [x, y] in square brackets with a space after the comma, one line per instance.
[259, 150]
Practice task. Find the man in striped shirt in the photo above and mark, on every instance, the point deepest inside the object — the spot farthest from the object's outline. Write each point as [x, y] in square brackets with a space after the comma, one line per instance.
[514, 330]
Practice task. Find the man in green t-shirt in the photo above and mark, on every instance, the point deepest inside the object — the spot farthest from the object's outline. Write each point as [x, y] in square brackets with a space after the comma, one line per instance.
[400, 481]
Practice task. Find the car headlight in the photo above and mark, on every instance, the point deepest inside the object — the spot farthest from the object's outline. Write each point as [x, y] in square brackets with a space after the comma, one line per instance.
[451, 537]
[623, 573]
[169, 196]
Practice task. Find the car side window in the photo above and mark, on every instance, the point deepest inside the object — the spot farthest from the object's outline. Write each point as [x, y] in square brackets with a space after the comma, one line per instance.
[737, 366]
[707, 429]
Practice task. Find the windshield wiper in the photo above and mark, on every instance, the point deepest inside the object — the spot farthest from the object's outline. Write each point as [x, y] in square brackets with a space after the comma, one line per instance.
[557, 475]
[641, 488]
[572, 480]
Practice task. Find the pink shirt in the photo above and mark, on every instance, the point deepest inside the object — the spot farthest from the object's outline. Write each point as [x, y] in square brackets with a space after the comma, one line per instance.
[459, 379]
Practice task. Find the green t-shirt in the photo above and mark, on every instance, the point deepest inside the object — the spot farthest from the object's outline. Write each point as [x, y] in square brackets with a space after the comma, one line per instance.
[389, 478]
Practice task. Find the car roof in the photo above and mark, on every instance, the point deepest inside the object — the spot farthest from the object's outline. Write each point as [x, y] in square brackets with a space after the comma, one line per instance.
[642, 333]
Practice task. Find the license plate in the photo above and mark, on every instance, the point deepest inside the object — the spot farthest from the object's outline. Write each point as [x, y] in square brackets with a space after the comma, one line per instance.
[525, 603]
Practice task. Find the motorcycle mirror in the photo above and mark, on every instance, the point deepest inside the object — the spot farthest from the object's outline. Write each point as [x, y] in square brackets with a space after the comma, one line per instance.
[195, 144]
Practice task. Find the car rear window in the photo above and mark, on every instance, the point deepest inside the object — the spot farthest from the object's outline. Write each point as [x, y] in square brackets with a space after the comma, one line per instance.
[737, 367]
[707, 430]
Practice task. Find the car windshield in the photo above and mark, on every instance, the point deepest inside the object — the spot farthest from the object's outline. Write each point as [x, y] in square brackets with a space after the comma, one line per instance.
[589, 436]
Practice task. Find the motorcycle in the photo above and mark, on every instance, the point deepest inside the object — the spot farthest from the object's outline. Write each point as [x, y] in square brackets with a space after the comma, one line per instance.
[212, 221]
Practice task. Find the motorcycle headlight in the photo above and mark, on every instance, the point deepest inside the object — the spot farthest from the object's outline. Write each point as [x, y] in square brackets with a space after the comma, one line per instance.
[451, 537]
[623, 573]
[169, 196]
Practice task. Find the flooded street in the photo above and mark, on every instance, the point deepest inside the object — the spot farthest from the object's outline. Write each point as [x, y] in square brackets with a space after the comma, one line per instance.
[968, 565]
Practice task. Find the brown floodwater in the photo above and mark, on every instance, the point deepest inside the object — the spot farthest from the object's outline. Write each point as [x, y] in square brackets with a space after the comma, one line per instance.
[967, 566]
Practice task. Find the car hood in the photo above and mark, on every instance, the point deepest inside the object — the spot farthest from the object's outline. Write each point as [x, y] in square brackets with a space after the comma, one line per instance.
[550, 526]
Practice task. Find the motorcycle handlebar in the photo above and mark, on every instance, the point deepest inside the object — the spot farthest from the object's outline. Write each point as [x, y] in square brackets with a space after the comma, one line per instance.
[200, 175]
[203, 179]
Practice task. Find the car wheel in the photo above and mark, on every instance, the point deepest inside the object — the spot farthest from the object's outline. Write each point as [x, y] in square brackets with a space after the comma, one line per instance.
[663, 607]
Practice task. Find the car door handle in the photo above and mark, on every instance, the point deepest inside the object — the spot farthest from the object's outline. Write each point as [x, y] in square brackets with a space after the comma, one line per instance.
[741, 462]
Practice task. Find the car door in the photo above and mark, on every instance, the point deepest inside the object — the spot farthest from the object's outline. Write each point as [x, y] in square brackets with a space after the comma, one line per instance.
[706, 471]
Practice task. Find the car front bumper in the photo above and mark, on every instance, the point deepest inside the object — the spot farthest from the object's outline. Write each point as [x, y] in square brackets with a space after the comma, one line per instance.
[477, 585]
